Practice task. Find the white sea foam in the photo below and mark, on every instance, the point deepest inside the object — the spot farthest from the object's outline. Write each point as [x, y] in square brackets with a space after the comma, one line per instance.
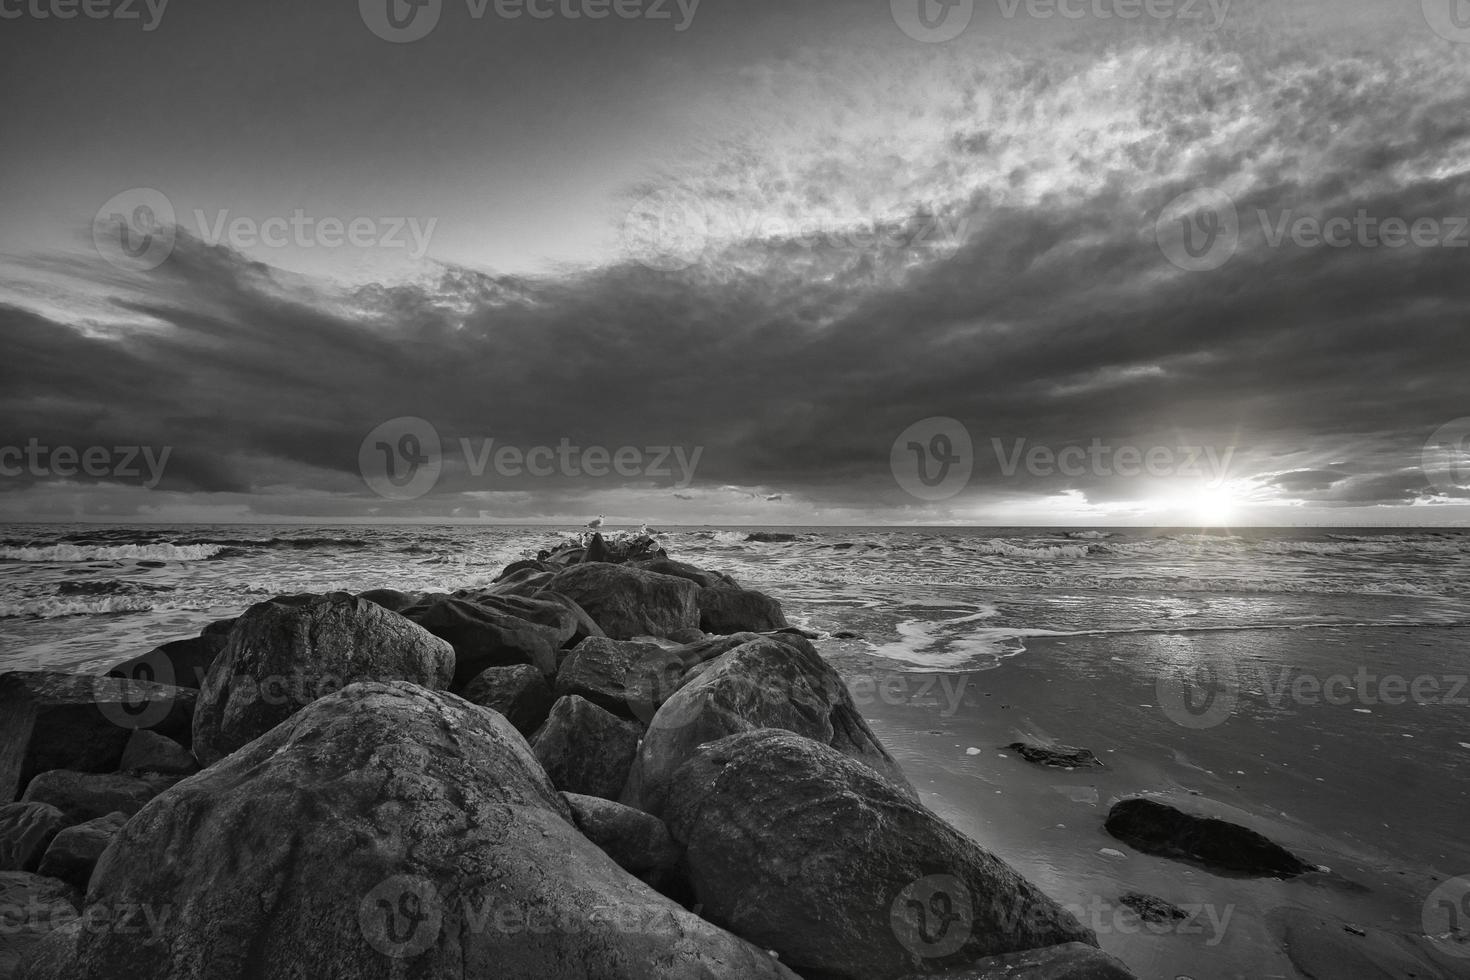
[124, 552]
[55, 608]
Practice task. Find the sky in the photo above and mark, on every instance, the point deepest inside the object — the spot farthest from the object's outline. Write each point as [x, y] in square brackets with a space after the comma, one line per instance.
[1072, 262]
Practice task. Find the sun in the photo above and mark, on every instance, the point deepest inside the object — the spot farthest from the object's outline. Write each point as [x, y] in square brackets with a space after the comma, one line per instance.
[1212, 507]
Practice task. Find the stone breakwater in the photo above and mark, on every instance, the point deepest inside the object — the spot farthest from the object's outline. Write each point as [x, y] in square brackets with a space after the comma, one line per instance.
[607, 764]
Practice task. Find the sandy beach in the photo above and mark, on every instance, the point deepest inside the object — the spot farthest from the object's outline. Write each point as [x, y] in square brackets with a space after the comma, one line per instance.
[1328, 781]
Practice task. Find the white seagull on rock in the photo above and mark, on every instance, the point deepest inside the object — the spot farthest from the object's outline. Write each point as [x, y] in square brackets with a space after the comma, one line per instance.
[594, 525]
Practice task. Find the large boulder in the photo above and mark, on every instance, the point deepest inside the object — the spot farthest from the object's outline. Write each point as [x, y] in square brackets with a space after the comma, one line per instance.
[627, 602]
[392, 600]
[626, 677]
[182, 663]
[26, 830]
[385, 831]
[809, 853]
[584, 624]
[637, 841]
[51, 720]
[764, 683]
[495, 631]
[1069, 961]
[585, 749]
[525, 581]
[31, 907]
[699, 576]
[151, 752]
[1157, 828]
[75, 852]
[725, 610]
[85, 796]
[519, 692]
[283, 655]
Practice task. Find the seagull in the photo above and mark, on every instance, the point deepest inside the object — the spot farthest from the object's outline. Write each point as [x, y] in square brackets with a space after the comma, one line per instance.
[594, 525]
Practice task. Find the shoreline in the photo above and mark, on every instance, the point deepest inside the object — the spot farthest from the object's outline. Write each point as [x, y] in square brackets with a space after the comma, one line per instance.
[949, 731]
[1049, 822]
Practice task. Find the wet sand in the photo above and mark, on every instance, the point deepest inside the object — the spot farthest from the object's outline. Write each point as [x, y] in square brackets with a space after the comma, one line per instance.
[1374, 792]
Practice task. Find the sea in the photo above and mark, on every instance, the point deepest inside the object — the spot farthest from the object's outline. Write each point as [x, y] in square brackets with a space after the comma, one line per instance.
[1309, 683]
[81, 596]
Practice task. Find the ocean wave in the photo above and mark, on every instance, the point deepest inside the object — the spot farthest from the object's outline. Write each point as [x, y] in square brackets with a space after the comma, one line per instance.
[1006, 549]
[125, 552]
[279, 544]
[107, 587]
[52, 607]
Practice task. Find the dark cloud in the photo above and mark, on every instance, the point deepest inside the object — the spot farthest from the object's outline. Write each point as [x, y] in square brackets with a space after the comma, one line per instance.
[1054, 319]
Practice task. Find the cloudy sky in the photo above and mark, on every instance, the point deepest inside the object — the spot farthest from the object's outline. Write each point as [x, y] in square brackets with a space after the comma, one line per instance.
[736, 261]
